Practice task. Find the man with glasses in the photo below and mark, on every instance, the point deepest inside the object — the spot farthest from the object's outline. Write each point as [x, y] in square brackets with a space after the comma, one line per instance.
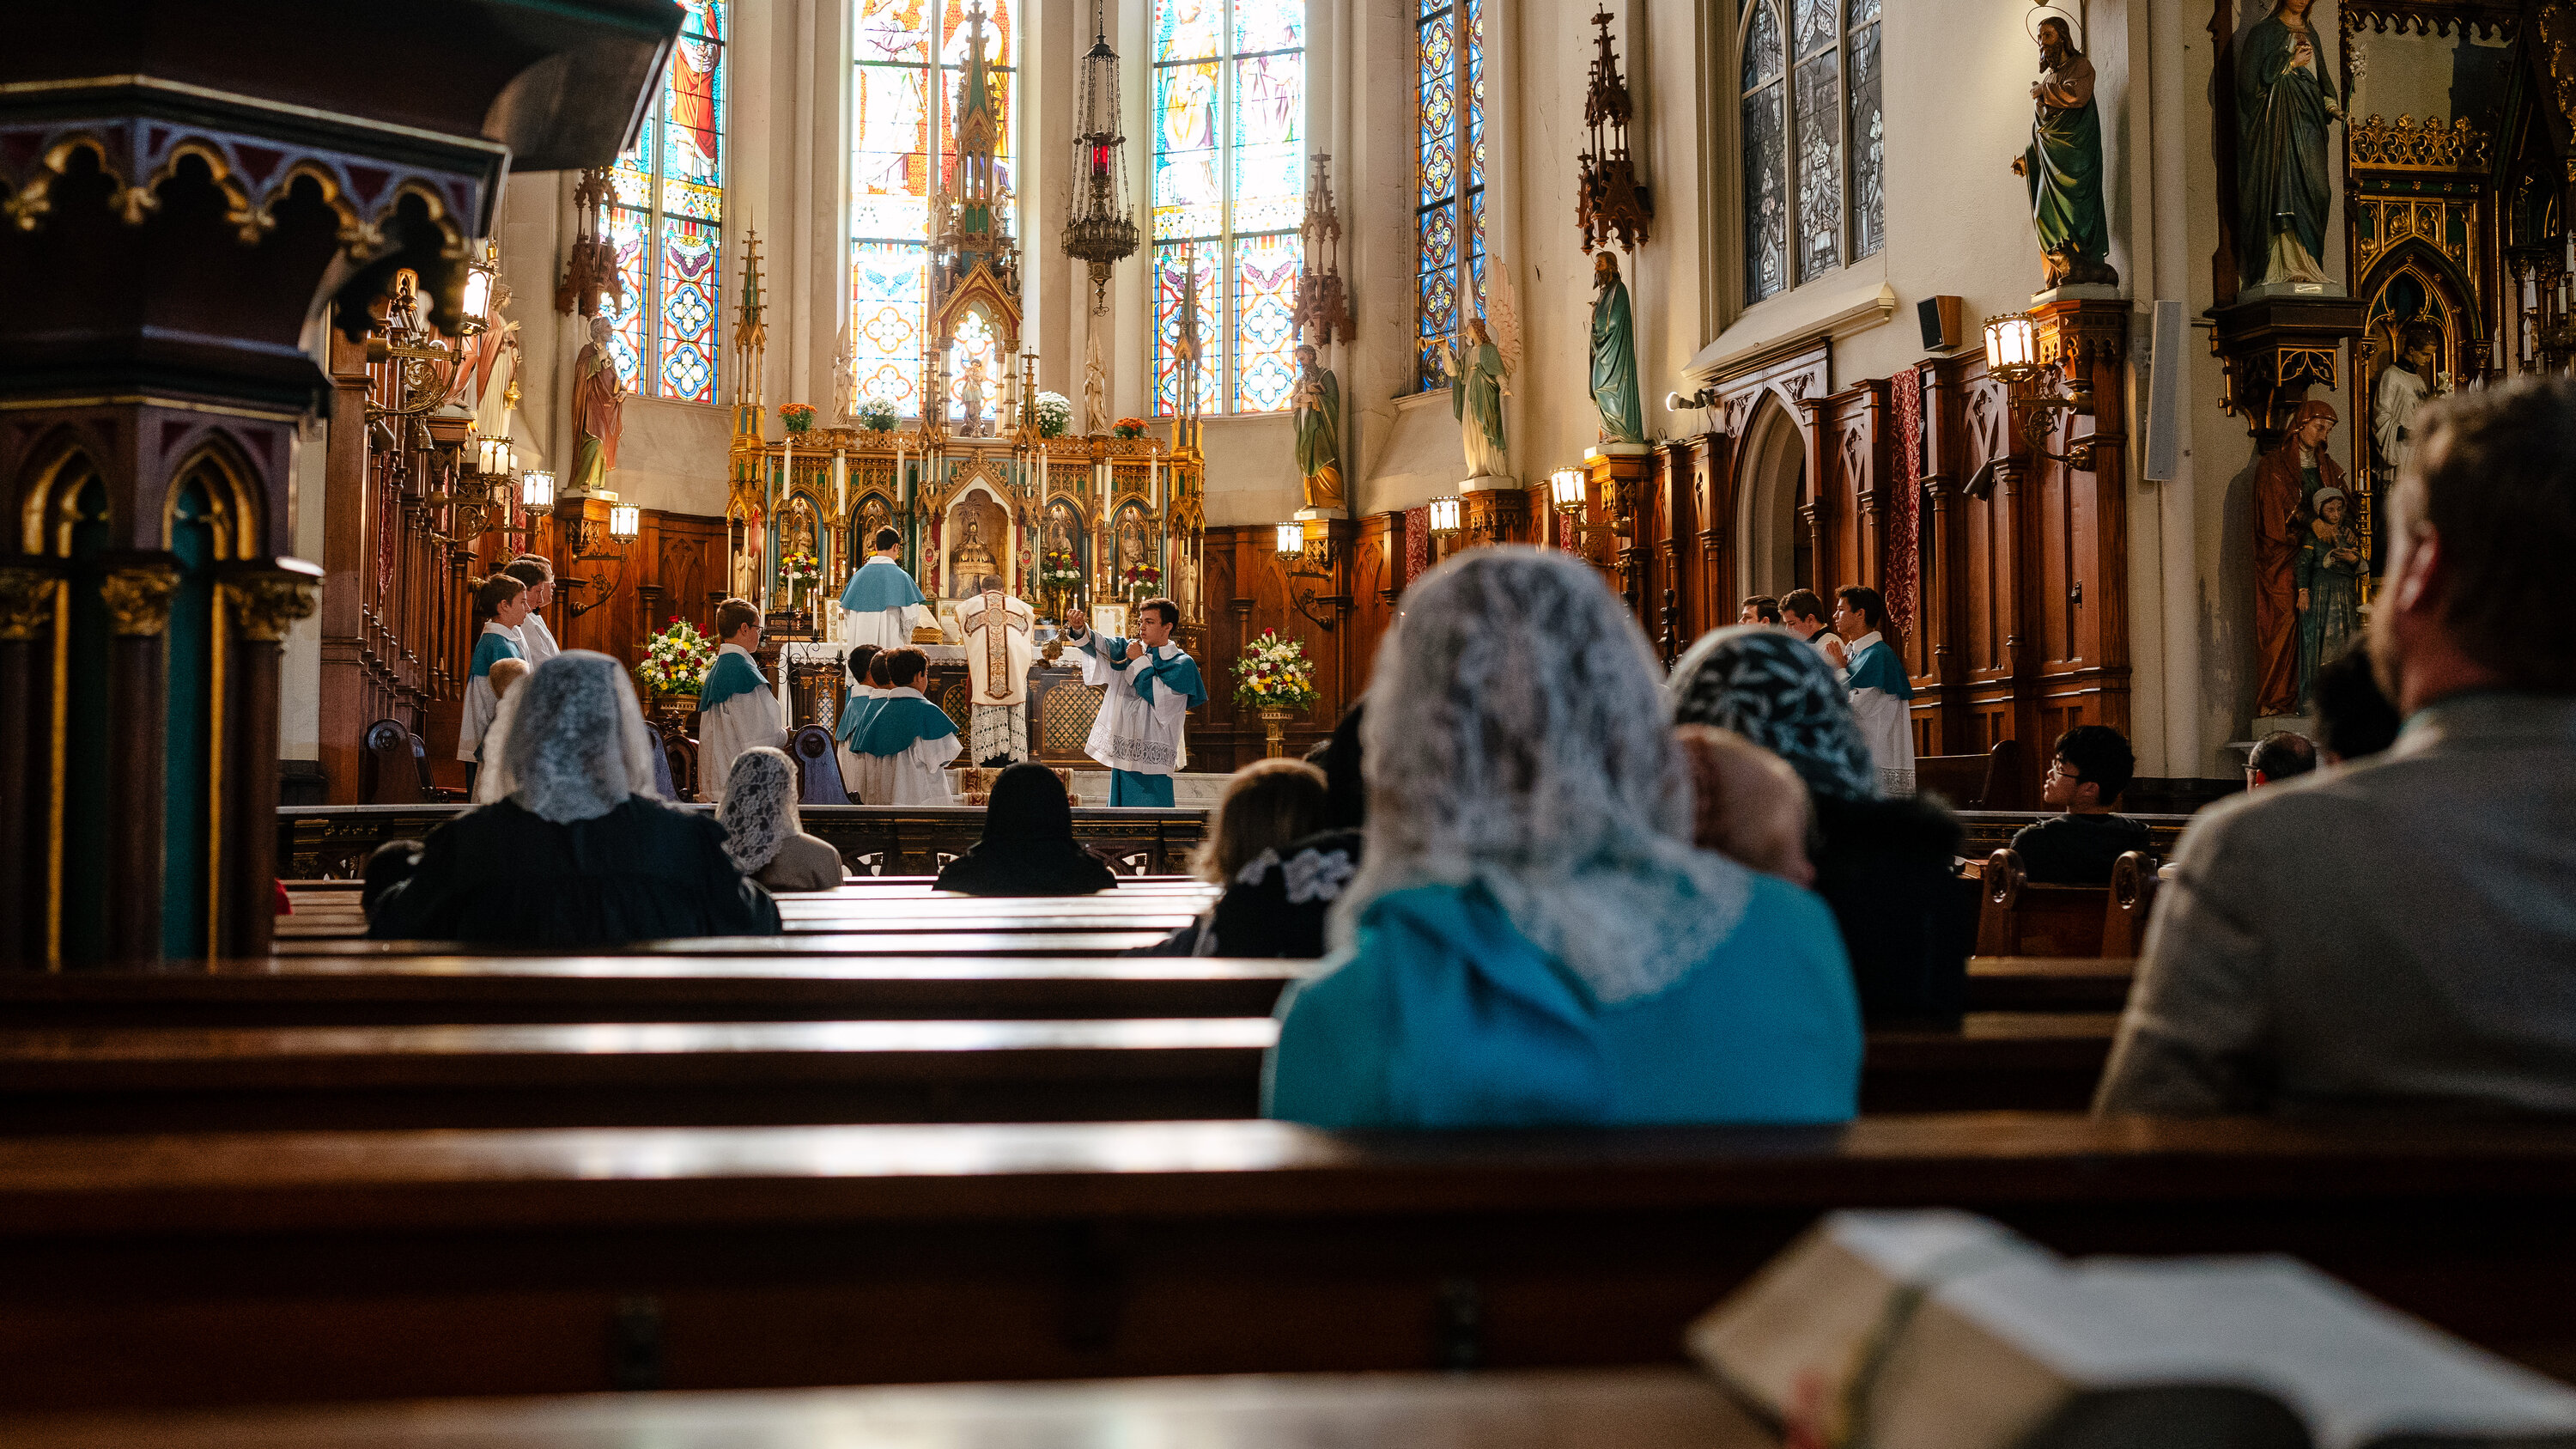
[2091, 766]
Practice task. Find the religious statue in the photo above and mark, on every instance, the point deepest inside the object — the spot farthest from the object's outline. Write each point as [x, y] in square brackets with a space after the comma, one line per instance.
[796, 534]
[2283, 185]
[1131, 545]
[2064, 165]
[2285, 481]
[970, 560]
[970, 403]
[2329, 579]
[1614, 354]
[1317, 403]
[1095, 388]
[2405, 385]
[1477, 374]
[598, 411]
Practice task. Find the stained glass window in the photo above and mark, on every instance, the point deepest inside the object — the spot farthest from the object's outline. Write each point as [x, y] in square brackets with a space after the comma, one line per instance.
[1229, 98]
[1449, 177]
[1812, 141]
[666, 222]
[903, 130]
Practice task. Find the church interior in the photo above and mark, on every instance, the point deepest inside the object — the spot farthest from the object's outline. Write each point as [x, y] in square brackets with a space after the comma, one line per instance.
[2088, 346]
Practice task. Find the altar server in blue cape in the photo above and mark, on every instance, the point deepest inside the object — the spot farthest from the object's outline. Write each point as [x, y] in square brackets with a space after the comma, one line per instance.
[1152, 685]
[736, 709]
[538, 573]
[878, 605]
[1881, 696]
[501, 602]
[868, 684]
[905, 745]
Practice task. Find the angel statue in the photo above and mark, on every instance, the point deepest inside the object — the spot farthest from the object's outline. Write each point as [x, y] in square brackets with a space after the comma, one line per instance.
[1478, 371]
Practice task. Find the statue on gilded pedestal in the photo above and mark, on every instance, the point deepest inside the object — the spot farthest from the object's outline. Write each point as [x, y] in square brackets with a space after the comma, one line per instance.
[1614, 354]
[2283, 184]
[1317, 402]
[598, 411]
[2063, 165]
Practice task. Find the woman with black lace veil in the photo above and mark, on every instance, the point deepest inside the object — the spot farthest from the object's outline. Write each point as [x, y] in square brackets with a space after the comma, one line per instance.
[764, 831]
[1531, 938]
[577, 850]
[1886, 865]
[1028, 847]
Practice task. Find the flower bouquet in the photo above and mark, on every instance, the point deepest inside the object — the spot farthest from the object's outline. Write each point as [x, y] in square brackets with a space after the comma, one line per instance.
[799, 571]
[797, 416]
[1055, 414]
[1059, 572]
[1141, 582]
[1274, 673]
[676, 660]
[877, 415]
[1127, 428]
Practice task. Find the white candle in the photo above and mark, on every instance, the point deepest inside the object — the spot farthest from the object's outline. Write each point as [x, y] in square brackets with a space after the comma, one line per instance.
[1154, 481]
[840, 483]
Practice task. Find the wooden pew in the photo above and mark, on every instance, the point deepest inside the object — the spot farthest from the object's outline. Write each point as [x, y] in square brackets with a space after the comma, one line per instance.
[1090, 941]
[284, 1266]
[1630, 1408]
[143, 1079]
[2049, 983]
[2016, 917]
[1991, 830]
[1991, 781]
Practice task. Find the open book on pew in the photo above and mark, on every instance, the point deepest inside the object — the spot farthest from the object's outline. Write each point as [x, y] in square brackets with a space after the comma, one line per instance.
[1939, 1330]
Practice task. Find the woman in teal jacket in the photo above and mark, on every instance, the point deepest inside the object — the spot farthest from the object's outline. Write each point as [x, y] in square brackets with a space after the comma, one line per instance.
[1531, 938]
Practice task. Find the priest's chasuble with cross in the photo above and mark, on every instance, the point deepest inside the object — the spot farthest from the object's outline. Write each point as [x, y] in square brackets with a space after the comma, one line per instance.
[999, 649]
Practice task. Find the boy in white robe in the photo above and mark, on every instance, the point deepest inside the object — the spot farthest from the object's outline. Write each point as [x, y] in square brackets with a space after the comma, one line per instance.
[502, 601]
[736, 710]
[1152, 685]
[999, 635]
[868, 685]
[538, 573]
[880, 602]
[908, 741]
[1881, 695]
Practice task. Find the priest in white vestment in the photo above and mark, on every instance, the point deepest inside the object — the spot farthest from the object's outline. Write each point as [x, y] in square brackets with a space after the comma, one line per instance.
[1152, 685]
[905, 746]
[1000, 646]
[881, 602]
[737, 710]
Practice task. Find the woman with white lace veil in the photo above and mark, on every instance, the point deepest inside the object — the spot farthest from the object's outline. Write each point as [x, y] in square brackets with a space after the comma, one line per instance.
[1531, 938]
[577, 850]
[763, 831]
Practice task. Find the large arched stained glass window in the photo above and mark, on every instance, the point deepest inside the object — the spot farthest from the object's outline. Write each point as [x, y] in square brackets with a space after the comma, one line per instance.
[1229, 116]
[1449, 177]
[666, 222]
[903, 127]
[1813, 133]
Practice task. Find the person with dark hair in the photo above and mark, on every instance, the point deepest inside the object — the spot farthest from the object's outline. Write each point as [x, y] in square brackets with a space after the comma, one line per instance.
[538, 573]
[1532, 938]
[880, 602]
[1888, 866]
[1803, 614]
[1881, 696]
[1759, 609]
[578, 852]
[905, 745]
[501, 604]
[854, 714]
[2280, 755]
[2354, 719]
[737, 710]
[2087, 770]
[2400, 932]
[1028, 847]
[1152, 685]
[1277, 902]
[388, 865]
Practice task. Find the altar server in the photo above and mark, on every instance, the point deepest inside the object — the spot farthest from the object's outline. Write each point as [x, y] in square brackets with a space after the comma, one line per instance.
[867, 671]
[736, 710]
[997, 629]
[1881, 696]
[538, 573]
[878, 605]
[908, 741]
[1153, 683]
[501, 602]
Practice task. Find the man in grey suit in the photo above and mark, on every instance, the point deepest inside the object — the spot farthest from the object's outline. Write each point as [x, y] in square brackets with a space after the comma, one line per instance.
[2400, 932]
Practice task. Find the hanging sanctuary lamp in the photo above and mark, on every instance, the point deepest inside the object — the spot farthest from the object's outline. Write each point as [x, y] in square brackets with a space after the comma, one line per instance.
[1101, 228]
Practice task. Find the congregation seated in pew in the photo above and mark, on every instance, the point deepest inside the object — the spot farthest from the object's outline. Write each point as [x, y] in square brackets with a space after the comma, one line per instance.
[2400, 933]
[2087, 770]
[763, 832]
[1028, 847]
[1886, 865]
[1267, 807]
[1746, 803]
[1532, 938]
[578, 851]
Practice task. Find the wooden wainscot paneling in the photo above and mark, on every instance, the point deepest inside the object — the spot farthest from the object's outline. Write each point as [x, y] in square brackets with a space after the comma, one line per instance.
[1249, 590]
[2083, 544]
[1377, 582]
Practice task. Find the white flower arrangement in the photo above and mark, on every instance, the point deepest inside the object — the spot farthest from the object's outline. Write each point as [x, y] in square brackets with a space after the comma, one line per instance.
[677, 659]
[1274, 673]
[1055, 414]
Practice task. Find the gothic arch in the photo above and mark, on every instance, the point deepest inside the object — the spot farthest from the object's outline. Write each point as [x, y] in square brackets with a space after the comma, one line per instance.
[50, 502]
[232, 499]
[1771, 486]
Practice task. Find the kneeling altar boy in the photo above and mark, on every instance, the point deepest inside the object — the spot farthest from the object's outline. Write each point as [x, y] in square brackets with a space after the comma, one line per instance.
[904, 747]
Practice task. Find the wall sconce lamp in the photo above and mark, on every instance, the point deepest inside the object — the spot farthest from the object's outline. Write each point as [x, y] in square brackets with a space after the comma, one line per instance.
[480, 272]
[1307, 550]
[1447, 519]
[537, 489]
[2012, 358]
[1570, 490]
[582, 535]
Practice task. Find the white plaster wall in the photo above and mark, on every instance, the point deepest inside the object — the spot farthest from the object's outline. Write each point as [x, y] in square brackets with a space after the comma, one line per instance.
[299, 713]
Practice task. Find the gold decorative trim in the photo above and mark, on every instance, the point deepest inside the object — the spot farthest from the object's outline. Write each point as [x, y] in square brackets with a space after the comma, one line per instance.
[254, 103]
[2403, 145]
[138, 600]
[136, 399]
[61, 750]
[26, 605]
[266, 606]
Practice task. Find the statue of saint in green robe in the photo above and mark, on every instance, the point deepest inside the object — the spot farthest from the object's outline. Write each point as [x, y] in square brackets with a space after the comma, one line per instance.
[2064, 166]
[1614, 355]
[2282, 184]
[1317, 402]
[1476, 375]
